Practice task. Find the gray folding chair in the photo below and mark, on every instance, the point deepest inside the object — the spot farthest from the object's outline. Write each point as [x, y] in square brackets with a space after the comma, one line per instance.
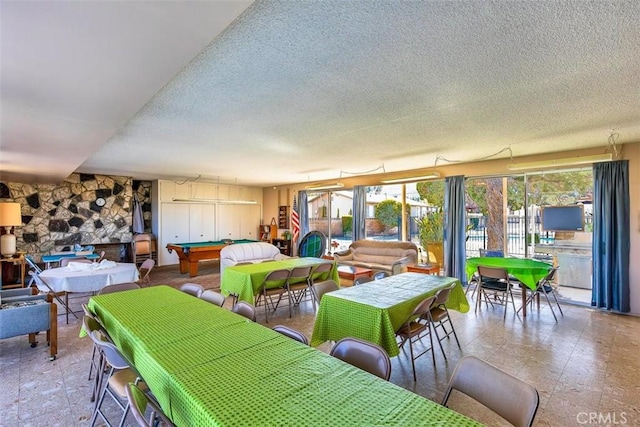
[213, 297]
[275, 283]
[545, 288]
[416, 327]
[511, 398]
[192, 289]
[128, 286]
[365, 355]
[44, 286]
[141, 405]
[291, 333]
[245, 309]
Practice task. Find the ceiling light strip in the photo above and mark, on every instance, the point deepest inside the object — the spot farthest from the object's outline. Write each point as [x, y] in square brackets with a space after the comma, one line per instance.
[568, 161]
[219, 201]
[412, 178]
[333, 186]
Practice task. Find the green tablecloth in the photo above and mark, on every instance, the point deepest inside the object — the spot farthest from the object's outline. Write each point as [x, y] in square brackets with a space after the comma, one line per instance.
[374, 310]
[527, 271]
[210, 367]
[244, 280]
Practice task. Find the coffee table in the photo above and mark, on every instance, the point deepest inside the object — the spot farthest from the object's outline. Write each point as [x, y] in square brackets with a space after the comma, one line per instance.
[349, 272]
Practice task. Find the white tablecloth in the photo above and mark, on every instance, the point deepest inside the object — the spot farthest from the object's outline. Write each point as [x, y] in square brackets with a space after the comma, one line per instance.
[65, 279]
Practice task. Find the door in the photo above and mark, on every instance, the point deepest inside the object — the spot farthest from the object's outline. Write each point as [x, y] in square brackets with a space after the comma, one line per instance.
[175, 229]
[201, 222]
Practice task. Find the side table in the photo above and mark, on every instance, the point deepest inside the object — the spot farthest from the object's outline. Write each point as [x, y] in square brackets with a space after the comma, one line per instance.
[8, 263]
[424, 268]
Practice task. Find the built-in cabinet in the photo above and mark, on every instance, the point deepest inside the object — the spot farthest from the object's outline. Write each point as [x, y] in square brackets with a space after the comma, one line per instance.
[198, 212]
[238, 222]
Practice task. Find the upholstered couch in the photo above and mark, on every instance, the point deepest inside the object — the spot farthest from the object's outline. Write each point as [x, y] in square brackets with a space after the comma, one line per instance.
[24, 313]
[248, 252]
[390, 256]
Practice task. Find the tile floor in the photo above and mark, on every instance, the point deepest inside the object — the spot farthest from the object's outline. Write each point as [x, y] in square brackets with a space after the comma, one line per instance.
[586, 367]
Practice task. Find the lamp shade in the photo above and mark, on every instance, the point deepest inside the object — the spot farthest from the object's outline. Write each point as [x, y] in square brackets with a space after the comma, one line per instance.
[10, 215]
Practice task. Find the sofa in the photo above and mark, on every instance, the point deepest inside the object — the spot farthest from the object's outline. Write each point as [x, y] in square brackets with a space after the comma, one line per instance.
[248, 252]
[390, 256]
[23, 312]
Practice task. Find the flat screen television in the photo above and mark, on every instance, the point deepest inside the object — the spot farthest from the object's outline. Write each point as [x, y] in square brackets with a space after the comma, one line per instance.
[563, 218]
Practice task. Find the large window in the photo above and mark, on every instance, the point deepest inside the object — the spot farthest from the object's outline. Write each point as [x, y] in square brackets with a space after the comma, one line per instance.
[504, 214]
[331, 213]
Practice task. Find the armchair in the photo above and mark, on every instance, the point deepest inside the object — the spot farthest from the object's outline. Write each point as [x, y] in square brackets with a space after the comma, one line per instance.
[24, 313]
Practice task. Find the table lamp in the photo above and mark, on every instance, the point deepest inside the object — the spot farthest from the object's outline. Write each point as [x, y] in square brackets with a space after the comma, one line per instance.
[10, 216]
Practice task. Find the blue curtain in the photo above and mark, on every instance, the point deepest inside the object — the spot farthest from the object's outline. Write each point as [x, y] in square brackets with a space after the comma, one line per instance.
[611, 236]
[303, 213]
[455, 228]
[359, 212]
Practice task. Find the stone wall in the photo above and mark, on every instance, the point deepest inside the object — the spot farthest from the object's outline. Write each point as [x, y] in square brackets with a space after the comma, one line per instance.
[57, 216]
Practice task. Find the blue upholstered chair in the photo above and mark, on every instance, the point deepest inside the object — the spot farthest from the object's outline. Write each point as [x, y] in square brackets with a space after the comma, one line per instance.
[26, 313]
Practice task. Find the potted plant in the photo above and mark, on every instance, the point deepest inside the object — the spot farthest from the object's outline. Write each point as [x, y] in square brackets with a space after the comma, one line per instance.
[430, 234]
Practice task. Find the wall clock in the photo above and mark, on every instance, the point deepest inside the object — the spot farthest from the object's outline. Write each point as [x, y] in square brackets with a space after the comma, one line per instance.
[100, 201]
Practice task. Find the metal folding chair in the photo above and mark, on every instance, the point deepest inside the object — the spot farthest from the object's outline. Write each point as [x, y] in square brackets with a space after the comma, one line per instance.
[43, 286]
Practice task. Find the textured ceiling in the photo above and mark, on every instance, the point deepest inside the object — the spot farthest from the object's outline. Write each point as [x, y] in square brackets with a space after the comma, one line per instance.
[298, 91]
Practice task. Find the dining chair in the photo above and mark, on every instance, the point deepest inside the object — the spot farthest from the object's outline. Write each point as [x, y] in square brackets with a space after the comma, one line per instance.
[42, 285]
[90, 323]
[143, 272]
[34, 266]
[415, 328]
[102, 256]
[495, 283]
[192, 289]
[365, 355]
[276, 282]
[299, 284]
[245, 309]
[141, 247]
[440, 316]
[362, 279]
[291, 333]
[127, 286]
[321, 288]
[321, 272]
[65, 261]
[545, 287]
[380, 275]
[491, 253]
[511, 398]
[118, 374]
[141, 404]
[213, 297]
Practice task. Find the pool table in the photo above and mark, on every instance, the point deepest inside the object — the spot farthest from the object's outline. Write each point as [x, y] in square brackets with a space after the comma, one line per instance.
[191, 253]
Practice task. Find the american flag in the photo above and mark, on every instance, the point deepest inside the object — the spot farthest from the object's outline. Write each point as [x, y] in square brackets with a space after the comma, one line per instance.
[295, 221]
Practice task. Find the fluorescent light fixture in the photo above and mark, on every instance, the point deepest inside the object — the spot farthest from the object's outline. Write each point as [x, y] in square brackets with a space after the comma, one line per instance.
[432, 175]
[219, 201]
[567, 161]
[333, 186]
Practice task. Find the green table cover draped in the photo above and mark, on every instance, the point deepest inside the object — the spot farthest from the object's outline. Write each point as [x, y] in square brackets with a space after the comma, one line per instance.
[210, 367]
[244, 280]
[374, 310]
[527, 271]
